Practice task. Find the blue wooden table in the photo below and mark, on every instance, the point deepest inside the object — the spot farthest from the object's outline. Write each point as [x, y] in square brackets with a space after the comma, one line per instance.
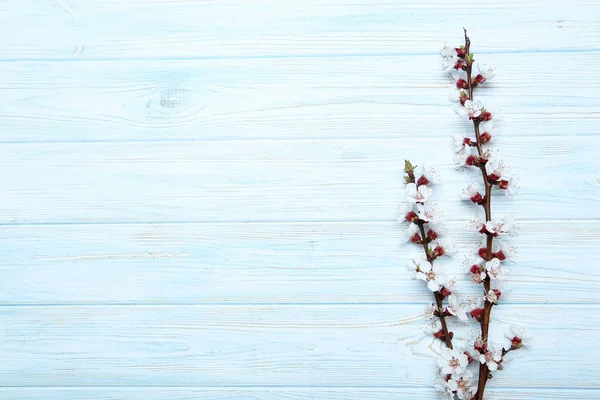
[198, 198]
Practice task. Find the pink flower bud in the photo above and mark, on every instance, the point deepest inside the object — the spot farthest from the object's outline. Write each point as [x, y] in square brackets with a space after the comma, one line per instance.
[445, 292]
[462, 84]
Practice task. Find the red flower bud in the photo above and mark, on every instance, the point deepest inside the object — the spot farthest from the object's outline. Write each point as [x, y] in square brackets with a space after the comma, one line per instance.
[500, 255]
[475, 269]
[459, 65]
[445, 292]
[431, 234]
[411, 216]
[469, 358]
[503, 184]
[477, 199]
[439, 251]
[439, 335]
[493, 177]
[477, 313]
[422, 181]
[482, 252]
[479, 79]
[485, 137]
[463, 98]
[485, 116]
[415, 238]
[462, 84]
[471, 160]
[498, 293]
[460, 52]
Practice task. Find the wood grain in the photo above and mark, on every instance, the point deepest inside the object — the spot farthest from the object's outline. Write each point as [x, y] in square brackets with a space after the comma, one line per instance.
[299, 180]
[310, 263]
[155, 393]
[116, 29]
[329, 346]
[368, 97]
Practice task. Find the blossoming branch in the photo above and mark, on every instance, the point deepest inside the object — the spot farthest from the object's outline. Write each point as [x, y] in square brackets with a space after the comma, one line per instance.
[457, 376]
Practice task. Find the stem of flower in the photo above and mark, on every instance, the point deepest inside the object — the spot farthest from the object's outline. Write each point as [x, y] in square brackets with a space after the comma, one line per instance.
[487, 206]
[437, 295]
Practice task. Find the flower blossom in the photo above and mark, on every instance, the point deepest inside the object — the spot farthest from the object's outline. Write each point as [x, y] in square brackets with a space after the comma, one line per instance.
[452, 361]
[411, 234]
[506, 226]
[428, 212]
[495, 270]
[455, 309]
[433, 274]
[519, 337]
[492, 296]
[491, 358]
[471, 109]
[462, 144]
[416, 194]
[450, 57]
[472, 192]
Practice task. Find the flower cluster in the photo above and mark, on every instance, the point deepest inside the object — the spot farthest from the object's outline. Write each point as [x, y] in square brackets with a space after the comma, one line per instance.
[457, 375]
[426, 229]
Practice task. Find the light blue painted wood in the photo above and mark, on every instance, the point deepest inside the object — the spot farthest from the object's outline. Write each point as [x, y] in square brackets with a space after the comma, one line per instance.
[374, 97]
[277, 180]
[303, 346]
[266, 263]
[122, 29]
[130, 174]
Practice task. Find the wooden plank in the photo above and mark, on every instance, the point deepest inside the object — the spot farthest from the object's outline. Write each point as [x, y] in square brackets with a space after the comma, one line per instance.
[116, 29]
[286, 98]
[374, 346]
[291, 263]
[300, 180]
[122, 393]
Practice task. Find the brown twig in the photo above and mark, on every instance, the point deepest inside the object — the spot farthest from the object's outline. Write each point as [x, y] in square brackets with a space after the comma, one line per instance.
[437, 295]
[487, 206]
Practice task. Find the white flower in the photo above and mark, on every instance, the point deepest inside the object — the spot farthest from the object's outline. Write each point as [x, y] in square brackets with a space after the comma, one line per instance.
[492, 125]
[510, 185]
[471, 109]
[446, 245]
[430, 311]
[474, 224]
[495, 270]
[450, 57]
[445, 387]
[452, 361]
[506, 226]
[452, 285]
[415, 266]
[491, 358]
[428, 212]
[455, 309]
[465, 385]
[473, 189]
[509, 252]
[430, 173]
[417, 195]
[519, 336]
[492, 297]
[460, 144]
[497, 169]
[455, 94]
[434, 275]
[460, 161]
[434, 326]
[409, 232]
[486, 71]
